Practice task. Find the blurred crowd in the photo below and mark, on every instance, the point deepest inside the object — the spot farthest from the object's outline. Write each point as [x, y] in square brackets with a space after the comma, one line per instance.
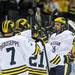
[37, 12]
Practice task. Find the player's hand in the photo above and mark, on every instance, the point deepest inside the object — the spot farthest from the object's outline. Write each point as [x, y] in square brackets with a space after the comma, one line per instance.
[44, 40]
[72, 54]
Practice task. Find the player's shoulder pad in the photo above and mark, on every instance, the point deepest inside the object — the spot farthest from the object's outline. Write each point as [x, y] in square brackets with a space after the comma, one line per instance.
[21, 37]
[67, 32]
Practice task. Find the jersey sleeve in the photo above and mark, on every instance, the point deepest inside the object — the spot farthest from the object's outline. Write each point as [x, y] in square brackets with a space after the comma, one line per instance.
[0, 60]
[73, 47]
[27, 34]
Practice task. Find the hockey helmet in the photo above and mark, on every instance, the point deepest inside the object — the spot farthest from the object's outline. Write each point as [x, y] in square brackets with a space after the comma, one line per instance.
[60, 19]
[22, 24]
[8, 26]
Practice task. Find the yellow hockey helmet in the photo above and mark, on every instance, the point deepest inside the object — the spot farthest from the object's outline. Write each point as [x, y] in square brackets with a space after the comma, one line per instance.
[60, 19]
[8, 26]
[22, 24]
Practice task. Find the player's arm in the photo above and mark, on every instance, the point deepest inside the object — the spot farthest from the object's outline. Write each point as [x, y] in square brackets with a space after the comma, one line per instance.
[69, 58]
[73, 49]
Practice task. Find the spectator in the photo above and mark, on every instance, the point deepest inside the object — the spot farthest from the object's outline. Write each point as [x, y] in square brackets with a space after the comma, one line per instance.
[71, 10]
[38, 16]
[54, 5]
[31, 16]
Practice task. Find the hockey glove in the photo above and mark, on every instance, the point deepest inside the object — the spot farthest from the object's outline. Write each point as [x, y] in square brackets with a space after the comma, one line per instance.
[68, 59]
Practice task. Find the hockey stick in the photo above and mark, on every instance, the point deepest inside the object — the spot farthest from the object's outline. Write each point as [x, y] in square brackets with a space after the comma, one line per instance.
[52, 14]
[45, 47]
[45, 55]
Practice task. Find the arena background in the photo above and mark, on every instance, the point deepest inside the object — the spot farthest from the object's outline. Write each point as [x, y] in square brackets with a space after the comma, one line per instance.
[38, 12]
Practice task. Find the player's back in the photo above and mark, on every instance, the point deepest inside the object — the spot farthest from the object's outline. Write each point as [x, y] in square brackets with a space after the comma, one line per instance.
[13, 53]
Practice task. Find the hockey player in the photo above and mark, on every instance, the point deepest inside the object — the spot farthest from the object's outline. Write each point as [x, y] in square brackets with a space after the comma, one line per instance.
[37, 61]
[25, 29]
[61, 41]
[14, 51]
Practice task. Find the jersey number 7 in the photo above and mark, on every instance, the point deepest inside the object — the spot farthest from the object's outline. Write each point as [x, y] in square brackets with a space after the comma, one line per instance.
[12, 55]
